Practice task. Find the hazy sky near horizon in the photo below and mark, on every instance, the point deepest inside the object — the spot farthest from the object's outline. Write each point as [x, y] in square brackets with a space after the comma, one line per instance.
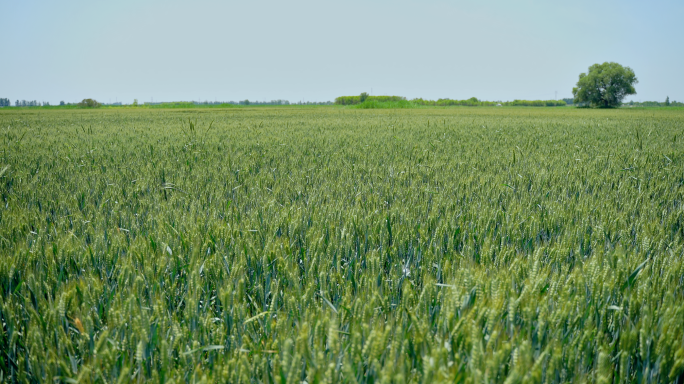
[317, 50]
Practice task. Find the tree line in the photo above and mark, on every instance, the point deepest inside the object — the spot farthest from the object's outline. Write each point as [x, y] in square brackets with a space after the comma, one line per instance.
[474, 102]
[29, 103]
[351, 100]
[666, 103]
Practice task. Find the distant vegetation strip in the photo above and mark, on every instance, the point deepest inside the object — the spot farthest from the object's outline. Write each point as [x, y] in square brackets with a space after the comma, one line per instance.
[362, 102]
[474, 102]
[667, 103]
[375, 104]
[187, 104]
[353, 100]
[401, 102]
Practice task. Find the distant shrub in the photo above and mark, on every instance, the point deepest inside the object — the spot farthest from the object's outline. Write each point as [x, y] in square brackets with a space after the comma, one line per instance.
[89, 103]
[347, 100]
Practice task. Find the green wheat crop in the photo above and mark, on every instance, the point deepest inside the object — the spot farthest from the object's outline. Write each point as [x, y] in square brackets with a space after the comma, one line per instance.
[323, 245]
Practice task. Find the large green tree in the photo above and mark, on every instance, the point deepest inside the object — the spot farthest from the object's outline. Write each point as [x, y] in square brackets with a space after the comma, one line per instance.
[605, 85]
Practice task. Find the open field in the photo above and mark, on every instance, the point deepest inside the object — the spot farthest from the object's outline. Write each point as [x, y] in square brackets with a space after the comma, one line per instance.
[342, 245]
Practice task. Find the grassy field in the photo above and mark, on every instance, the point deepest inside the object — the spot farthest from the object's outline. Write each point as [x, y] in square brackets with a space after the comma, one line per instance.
[342, 245]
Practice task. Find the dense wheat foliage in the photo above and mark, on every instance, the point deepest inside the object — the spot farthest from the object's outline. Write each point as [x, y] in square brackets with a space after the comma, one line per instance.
[340, 245]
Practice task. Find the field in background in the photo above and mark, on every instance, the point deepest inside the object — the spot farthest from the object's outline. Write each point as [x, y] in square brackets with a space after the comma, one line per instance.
[342, 245]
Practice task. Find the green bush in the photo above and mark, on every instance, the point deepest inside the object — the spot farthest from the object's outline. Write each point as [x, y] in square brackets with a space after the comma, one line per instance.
[89, 103]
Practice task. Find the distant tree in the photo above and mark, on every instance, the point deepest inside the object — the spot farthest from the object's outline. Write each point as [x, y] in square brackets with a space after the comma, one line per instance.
[605, 85]
[363, 96]
[135, 102]
[89, 103]
[61, 102]
[667, 101]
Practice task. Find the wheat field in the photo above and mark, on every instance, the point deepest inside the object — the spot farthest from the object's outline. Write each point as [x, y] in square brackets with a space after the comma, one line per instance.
[326, 245]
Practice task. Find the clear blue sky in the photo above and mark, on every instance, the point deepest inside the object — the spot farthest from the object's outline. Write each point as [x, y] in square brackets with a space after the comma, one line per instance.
[317, 50]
